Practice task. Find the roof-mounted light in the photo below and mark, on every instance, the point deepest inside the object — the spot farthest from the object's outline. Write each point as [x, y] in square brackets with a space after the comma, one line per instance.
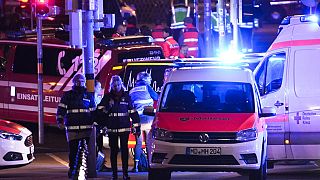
[309, 18]
[125, 41]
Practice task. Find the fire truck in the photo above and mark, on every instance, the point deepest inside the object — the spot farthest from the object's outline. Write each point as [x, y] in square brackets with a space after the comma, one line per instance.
[18, 70]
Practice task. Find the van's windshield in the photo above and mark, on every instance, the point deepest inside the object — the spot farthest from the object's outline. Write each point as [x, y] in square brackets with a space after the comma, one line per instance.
[208, 97]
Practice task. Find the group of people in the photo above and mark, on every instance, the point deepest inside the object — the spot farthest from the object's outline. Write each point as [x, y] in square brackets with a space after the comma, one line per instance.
[78, 110]
[185, 47]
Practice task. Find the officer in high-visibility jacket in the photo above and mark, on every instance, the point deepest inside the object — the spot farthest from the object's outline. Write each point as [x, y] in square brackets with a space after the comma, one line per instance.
[189, 37]
[116, 108]
[170, 47]
[142, 95]
[157, 33]
[75, 114]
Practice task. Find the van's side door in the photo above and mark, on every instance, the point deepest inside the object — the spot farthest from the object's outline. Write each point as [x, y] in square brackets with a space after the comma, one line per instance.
[271, 78]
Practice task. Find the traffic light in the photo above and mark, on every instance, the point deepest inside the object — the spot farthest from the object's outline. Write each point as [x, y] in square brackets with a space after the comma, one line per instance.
[247, 11]
[42, 7]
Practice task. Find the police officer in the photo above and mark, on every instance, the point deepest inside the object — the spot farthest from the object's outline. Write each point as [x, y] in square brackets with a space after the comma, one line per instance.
[74, 112]
[117, 107]
[142, 95]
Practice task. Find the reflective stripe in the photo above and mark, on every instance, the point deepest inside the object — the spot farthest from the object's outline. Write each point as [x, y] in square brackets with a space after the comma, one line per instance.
[132, 111]
[192, 48]
[136, 124]
[143, 101]
[78, 110]
[119, 130]
[92, 109]
[158, 39]
[118, 114]
[190, 40]
[62, 105]
[79, 127]
[100, 107]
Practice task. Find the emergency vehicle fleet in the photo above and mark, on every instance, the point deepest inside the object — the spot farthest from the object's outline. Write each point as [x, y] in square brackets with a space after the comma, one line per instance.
[288, 79]
[18, 70]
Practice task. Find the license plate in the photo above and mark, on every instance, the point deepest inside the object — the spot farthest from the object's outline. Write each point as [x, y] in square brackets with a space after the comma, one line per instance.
[204, 151]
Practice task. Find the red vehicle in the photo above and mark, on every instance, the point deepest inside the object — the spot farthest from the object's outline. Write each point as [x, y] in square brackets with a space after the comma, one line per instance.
[18, 71]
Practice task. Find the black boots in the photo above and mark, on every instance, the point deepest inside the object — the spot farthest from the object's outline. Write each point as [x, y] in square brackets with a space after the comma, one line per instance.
[126, 176]
[135, 168]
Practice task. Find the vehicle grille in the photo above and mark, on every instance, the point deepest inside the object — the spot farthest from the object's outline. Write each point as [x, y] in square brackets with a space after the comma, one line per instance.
[28, 142]
[214, 138]
[203, 160]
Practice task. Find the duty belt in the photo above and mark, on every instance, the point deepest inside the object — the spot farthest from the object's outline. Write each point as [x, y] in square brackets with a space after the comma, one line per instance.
[119, 130]
[78, 110]
[118, 114]
[78, 127]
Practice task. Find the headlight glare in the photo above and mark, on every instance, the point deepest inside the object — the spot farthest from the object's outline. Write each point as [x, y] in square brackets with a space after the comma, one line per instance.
[10, 136]
[247, 135]
[161, 134]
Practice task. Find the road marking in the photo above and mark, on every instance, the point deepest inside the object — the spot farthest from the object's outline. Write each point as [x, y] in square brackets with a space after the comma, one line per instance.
[63, 162]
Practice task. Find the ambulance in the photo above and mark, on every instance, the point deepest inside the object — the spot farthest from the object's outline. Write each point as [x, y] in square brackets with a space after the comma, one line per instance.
[209, 118]
[18, 70]
[288, 79]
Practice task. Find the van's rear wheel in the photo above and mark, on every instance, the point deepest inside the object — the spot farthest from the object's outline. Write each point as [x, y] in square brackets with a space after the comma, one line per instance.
[159, 174]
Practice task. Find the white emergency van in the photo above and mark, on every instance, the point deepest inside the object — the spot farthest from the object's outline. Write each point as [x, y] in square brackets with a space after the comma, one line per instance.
[209, 119]
[288, 79]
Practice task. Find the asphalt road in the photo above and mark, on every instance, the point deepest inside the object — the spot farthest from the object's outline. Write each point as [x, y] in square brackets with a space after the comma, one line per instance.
[54, 166]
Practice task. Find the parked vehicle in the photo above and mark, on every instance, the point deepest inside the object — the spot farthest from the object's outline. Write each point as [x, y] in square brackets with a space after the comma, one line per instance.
[18, 70]
[288, 80]
[209, 119]
[16, 145]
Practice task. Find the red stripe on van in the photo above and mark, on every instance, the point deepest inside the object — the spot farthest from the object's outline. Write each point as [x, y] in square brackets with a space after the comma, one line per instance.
[209, 122]
[277, 118]
[308, 42]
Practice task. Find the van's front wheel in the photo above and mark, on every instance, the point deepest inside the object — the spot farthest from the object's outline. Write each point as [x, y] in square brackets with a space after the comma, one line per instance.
[159, 174]
[261, 173]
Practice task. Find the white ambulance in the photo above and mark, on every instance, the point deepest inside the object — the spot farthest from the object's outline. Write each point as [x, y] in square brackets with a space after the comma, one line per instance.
[288, 79]
[209, 119]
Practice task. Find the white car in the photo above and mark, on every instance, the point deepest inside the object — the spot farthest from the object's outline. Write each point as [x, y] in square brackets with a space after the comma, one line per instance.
[16, 145]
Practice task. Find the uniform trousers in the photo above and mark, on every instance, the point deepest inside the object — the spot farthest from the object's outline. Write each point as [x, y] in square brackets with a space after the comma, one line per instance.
[114, 149]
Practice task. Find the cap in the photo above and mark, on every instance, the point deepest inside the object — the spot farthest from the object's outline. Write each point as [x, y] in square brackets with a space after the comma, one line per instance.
[143, 76]
[79, 79]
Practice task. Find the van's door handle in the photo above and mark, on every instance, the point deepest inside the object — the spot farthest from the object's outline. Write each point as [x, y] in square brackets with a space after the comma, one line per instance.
[277, 104]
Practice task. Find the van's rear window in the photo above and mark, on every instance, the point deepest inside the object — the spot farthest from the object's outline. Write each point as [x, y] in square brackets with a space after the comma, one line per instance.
[208, 97]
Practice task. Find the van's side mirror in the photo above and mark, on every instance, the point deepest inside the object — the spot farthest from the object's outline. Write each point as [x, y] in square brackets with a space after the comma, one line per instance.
[268, 112]
[149, 111]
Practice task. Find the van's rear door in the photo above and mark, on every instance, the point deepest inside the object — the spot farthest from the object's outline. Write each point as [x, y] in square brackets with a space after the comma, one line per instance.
[304, 107]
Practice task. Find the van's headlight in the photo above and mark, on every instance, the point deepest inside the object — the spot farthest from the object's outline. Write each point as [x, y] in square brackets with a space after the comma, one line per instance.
[10, 136]
[247, 135]
[161, 134]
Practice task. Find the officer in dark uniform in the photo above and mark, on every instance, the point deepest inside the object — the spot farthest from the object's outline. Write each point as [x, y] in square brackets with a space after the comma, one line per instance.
[117, 109]
[74, 113]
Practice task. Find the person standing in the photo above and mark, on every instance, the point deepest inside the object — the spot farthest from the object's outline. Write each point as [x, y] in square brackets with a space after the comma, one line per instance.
[184, 53]
[170, 46]
[121, 31]
[117, 109]
[189, 36]
[157, 33]
[74, 113]
[142, 95]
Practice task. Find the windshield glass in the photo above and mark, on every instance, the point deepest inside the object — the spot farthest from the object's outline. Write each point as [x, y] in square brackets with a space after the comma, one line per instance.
[208, 97]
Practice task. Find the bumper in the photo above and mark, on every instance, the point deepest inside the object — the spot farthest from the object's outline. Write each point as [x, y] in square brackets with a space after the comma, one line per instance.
[234, 157]
[15, 154]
